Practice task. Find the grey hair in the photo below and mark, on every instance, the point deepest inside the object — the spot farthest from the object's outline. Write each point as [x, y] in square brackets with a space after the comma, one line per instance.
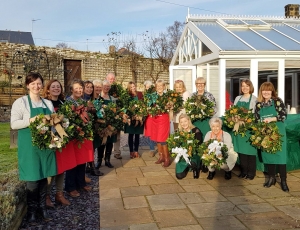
[148, 82]
[106, 82]
[97, 82]
[215, 120]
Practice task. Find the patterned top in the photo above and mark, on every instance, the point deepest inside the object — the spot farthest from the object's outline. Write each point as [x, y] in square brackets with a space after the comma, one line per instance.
[210, 97]
[279, 106]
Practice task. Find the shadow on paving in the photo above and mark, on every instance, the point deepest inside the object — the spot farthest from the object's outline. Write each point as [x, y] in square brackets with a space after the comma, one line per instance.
[83, 213]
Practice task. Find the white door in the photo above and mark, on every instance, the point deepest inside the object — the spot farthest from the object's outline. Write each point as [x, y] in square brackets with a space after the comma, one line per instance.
[187, 74]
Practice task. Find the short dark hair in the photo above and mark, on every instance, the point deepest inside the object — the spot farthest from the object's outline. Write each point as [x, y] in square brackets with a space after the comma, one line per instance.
[32, 76]
[76, 81]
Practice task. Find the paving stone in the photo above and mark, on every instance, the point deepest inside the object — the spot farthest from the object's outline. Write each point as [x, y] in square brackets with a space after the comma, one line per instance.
[135, 202]
[184, 227]
[212, 196]
[109, 193]
[111, 204]
[256, 180]
[214, 209]
[219, 181]
[158, 173]
[270, 220]
[151, 226]
[117, 183]
[294, 185]
[136, 191]
[192, 181]
[166, 188]
[191, 198]
[292, 210]
[197, 188]
[283, 200]
[136, 162]
[173, 218]
[233, 191]
[130, 173]
[251, 199]
[221, 222]
[256, 208]
[125, 227]
[152, 168]
[263, 192]
[125, 217]
[156, 180]
[165, 202]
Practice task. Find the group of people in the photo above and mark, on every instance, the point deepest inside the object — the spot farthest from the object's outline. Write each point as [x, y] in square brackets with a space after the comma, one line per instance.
[267, 108]
[39, 168]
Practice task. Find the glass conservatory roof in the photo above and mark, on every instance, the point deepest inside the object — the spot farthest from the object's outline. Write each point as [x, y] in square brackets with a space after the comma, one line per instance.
[251, 34]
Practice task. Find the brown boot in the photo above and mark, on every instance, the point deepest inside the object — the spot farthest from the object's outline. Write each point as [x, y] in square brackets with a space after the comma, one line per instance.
[136, 155]
[87, 180]
[132, 155]
[166, 156]
[49, 203]
[160, 152]
[60, 199]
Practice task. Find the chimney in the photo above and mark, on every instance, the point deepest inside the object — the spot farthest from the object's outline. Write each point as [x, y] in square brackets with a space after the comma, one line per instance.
[292, 10]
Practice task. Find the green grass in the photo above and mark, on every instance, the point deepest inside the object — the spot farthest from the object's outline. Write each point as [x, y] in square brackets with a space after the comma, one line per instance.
[8, 156]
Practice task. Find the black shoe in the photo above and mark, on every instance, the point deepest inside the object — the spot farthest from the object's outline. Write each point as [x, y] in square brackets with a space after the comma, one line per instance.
[204, 169]
[284, 186]
[270, 182]
[108, 164]
[242, 175]
[211, 175]
[98, 164]
[249, 177]
[96, 172]
[45, 215]
[31, 218]
[227, 175]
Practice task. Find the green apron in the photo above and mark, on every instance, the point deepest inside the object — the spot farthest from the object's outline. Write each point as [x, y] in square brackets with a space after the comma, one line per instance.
[181, 165]
[132, 129]
[280, 156]
[203, 125]
[34, 164]
[242, 144]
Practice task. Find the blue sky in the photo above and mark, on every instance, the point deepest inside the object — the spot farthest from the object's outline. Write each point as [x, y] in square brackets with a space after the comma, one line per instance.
[85, 24]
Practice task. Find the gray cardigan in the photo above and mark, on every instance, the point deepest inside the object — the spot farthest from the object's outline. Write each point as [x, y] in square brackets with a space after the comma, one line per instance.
[20, 112]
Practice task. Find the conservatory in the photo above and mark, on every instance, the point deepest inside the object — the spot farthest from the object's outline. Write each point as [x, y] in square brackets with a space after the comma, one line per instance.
[226, 49]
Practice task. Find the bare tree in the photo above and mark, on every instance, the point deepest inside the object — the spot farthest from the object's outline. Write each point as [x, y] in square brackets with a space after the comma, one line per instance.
[63, 45]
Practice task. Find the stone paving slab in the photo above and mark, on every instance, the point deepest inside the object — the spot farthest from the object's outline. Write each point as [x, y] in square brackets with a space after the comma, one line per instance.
[156, 180]
[265, 193]
[191, 198]
[109, 193]
[118, 183]
[135, 202]
[111, 204]
[151, 226]
[214, 209]
[185, 227]
[198, 188]
[251, 199]
[165, 202]
[173, 218]
[166, 188]
[271, 220]
[291, 210]
[256, 208]
[284, 200]
[221, 222]
[136, 191]
[212, 196]
[234, 191]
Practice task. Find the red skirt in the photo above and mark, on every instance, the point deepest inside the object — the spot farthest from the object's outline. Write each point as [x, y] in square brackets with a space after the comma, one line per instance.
[66, 159]
[84, 152]
[148, 126]
[160, 128]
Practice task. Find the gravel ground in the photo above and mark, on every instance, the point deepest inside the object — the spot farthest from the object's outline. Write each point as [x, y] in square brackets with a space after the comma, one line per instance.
[83, 213]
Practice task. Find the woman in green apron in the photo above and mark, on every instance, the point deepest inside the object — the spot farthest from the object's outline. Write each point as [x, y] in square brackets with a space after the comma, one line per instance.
[134, 130]
[203, 125]
[247, 153]
[182, 167]
[108, 146]
[35, 165]
[270, 108]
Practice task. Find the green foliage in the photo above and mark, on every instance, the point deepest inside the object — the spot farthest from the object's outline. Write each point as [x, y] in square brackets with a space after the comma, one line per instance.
[122, 96]
[199, 108]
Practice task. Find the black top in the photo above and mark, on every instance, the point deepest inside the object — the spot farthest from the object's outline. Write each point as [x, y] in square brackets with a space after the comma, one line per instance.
[57, 103]
[198, 135]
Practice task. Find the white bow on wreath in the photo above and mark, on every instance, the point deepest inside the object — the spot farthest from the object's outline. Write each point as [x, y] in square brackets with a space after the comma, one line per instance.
[215, 148]
[181, 152]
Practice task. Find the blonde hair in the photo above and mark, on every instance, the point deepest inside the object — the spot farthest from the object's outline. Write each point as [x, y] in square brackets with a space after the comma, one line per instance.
[191, 126]
[266, 86]
[201, 79]
[97, 82]
[249, 83]
[180, 83]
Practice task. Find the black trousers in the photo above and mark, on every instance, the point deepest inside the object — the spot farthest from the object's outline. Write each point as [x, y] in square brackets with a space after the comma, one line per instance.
[281, 169]
[108, 149]
[248, 164]
[134, 146]
[75, 178]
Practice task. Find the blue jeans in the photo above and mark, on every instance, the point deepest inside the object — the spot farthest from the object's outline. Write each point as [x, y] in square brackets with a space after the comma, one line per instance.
[151, 143]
